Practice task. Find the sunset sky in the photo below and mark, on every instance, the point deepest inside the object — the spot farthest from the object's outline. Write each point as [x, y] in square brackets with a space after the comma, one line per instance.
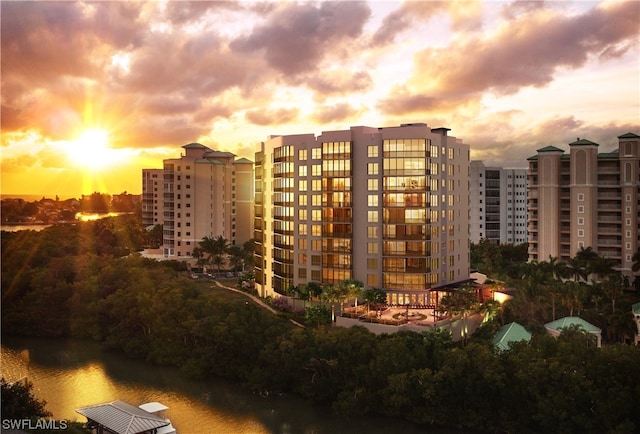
[92, 92]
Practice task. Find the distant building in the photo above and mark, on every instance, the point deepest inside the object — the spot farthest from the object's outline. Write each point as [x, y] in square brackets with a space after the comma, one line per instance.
[152, 196]
[512, 332]
[585, 199]
[555, 328]
[386, 206]
[498, 210]
[205, 193]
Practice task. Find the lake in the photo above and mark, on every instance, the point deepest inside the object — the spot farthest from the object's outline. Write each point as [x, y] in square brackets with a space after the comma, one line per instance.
[70, 373]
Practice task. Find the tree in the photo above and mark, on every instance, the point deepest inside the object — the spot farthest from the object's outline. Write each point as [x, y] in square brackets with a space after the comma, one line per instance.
[576, 269]
[331, 294]
[613, 287]
[352, 288]
[314, 289]
[636, 261]
[374, 296]
[18, 401]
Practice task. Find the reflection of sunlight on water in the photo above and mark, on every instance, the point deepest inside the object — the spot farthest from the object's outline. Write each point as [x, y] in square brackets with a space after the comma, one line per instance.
[67, 384]
[89, 217]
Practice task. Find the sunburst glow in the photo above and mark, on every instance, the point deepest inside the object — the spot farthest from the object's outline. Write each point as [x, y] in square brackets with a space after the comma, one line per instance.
[91, 149]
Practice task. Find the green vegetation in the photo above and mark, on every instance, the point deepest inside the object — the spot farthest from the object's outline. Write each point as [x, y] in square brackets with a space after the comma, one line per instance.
[77, 281]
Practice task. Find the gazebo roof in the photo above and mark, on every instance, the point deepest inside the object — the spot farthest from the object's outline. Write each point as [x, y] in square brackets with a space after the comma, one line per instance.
[561, 323]
[122, 418]
[512, 332]
[636, 308]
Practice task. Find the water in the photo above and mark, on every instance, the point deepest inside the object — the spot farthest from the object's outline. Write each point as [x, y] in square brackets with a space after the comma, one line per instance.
[69, 374]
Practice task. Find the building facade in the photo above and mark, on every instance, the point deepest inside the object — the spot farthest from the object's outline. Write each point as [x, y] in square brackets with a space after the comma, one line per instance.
[386, 206]
[498, 211]
[152, 197]
[205, 193]
[585, 199]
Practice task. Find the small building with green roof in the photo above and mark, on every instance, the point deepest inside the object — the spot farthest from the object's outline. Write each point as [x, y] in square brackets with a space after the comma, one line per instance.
[512, 332]
[554, 328]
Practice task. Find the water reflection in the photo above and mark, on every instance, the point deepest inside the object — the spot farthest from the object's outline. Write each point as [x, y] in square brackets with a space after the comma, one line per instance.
[69, 374]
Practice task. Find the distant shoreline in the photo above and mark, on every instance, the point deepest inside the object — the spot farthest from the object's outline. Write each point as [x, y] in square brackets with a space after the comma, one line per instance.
[35, 197]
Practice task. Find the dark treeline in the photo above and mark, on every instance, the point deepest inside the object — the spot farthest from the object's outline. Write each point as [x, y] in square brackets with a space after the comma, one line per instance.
[72, 281]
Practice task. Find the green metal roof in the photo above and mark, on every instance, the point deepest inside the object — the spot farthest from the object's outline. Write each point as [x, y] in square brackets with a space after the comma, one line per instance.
[629, 136]
[636, 308]
[512, 332]
[583, 142]
[550, 149]
[561, 323]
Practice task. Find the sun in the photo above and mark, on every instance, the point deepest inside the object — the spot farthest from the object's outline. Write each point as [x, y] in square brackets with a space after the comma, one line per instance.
[91, 150]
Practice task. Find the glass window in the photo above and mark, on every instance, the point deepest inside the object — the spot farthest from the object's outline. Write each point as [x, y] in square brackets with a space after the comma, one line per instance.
[316, 153]
[372, 200]
[372, 151]
[302, 155]
[372, 216]
[302, 170]
[372, 248]
[372, 184]
[372, 168]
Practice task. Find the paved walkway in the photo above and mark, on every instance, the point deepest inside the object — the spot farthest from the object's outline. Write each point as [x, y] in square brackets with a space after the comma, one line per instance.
[256, 300]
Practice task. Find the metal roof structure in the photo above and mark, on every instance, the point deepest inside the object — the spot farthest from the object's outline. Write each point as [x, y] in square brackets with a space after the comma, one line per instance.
[122, 418]
[561, 323]
[512, 332]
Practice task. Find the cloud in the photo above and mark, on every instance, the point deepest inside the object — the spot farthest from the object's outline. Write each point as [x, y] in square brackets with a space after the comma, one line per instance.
[526, 51]
[297, 37]
[339, 82]
[464, 15]
[336, 112]
[276, 116]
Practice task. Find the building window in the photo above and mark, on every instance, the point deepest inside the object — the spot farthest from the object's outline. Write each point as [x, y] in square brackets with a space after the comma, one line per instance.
[372, 280]
[372, 216]
[316, 153]
[372, 263]
[372, 248]
[372, 184]
[372, 200]
[581, 209]
[372, 232]
[580, 220]
[580, 197]
[302, 185]
[372, 168]
[302, 200]
[316, 230]
[581, 232]
[302, 170]
[372, 151]
[302, 155]
[302, 229]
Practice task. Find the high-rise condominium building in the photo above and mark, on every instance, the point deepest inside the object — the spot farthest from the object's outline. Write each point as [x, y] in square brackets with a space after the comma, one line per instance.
[498, 211]
[152, 194]
[585, 199]
[386, 206]
[205, 193]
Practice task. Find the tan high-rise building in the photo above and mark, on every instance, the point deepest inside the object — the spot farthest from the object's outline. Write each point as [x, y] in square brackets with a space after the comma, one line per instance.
[205, 193]
[585, 199]
[152, 182]
[386, 206]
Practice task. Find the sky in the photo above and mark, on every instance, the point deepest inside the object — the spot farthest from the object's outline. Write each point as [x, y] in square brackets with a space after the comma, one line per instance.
[93, 92]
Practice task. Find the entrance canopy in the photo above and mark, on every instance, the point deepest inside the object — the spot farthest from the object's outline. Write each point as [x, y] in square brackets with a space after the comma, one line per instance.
[122, 418]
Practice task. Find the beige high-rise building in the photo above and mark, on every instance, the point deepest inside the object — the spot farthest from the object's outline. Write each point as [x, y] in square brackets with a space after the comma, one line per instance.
[386, 206]
[585, 199]
[152, 182]
[205, 193]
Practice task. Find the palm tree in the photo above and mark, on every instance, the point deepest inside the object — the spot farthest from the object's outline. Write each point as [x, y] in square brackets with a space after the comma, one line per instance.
[374, 296]
[352, 288]
[331, 295]
[576, 269]
[613, 286]
[314, 290]
[587, 257]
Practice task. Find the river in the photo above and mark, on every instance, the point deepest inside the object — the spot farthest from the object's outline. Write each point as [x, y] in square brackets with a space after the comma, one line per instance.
[69, 374]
